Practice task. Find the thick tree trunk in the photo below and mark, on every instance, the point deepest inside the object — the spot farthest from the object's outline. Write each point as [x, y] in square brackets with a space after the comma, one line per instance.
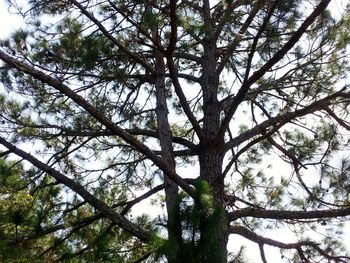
[213, 229]
[165, 137]
[171, 188]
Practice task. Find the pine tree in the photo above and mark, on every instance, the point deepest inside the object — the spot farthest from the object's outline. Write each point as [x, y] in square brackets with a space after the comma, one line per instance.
[21, 215]
[191, 107]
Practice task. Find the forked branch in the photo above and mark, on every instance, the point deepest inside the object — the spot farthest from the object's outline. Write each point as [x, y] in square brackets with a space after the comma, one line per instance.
[99, 116]
[241, 94]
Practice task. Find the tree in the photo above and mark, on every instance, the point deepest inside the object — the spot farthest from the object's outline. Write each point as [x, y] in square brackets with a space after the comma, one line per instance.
[21, 214]
[117, 101]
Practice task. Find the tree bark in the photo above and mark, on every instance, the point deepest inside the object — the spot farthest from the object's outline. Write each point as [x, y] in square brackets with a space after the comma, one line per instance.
[214, 233]
[165, 136]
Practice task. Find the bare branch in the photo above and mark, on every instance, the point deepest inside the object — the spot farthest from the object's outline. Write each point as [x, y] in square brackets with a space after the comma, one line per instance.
[343, 123]
[245, 232]
[256, 39]
[173, 70]
[239, 35]
[290, 215]
[137, 200]
[252, 236]
[262, 253]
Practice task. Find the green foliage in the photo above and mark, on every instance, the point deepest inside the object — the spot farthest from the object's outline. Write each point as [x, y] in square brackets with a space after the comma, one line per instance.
[17, 216]
[93, 94]
[195, 215]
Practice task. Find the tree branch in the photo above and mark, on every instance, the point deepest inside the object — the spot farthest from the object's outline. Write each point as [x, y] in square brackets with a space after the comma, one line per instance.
[111, 38]
[280, 120]
[262, 253]
[256, 39]
[252, 236]
[230, 49]
[343, 123]
[140, 198]
[276, 58]
[174, 73]
[104, 209]
[287, 214]
[100, 116]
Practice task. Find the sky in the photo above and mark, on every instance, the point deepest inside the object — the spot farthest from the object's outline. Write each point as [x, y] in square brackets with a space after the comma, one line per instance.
[10, 22]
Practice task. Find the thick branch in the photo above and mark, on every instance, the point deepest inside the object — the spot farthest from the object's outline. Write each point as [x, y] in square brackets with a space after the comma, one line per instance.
[119, 220]
[188, 77]
[188, 56]
[290, 215]
[280, 120]
[98, 115]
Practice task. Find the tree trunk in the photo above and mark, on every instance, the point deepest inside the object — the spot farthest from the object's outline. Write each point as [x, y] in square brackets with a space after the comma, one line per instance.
[213, 228]
[171, 188]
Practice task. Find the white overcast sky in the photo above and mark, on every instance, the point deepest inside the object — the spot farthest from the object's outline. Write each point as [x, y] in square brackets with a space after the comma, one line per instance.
[8, 22]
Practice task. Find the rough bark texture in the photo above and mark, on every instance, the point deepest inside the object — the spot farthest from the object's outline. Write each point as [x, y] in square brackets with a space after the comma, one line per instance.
[211, 149]
[165, 135]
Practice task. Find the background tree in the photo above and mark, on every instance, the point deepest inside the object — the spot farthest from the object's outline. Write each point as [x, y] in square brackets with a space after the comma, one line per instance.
[21, 213]
[116, 101]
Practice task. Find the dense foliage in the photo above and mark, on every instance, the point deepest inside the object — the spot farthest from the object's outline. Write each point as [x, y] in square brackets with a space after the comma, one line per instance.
[146, 131]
